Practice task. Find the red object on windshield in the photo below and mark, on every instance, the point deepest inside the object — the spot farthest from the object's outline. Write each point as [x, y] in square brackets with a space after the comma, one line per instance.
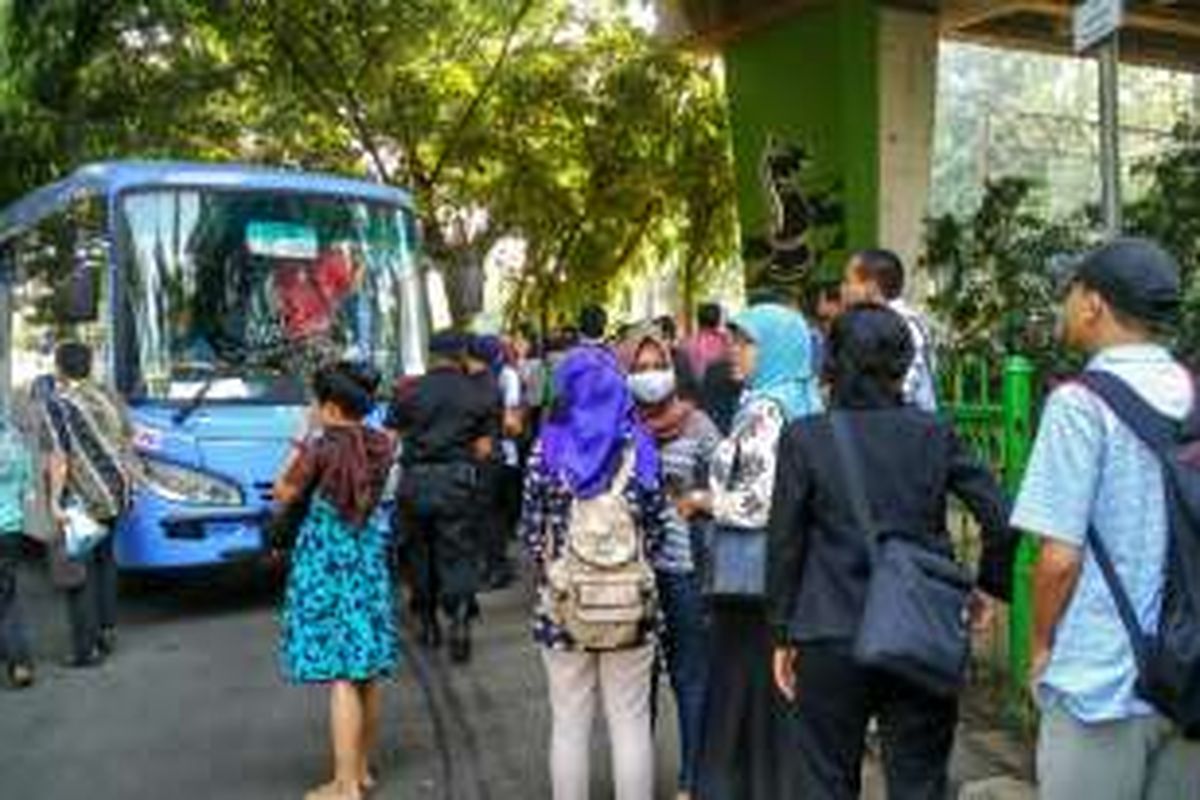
[310, 292]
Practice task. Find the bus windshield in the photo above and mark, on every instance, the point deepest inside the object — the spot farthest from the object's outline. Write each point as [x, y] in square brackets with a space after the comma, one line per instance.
[237, 295]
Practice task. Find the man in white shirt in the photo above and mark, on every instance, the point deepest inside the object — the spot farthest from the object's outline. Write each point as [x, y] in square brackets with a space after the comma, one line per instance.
[877, 276]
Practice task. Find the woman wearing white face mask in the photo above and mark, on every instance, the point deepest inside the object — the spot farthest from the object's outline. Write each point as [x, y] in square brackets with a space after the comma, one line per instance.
[686, 438]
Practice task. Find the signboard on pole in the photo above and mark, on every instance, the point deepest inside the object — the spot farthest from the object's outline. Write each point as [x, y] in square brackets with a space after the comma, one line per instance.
[1096, 21]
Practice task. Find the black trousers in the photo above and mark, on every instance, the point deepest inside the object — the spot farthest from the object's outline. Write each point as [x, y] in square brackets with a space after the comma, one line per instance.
[495, 522]
[92, 606]
[836, 700]
[747, 739]
[441, 539]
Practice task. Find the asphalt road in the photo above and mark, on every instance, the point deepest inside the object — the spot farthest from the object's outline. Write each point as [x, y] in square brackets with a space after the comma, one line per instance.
[192, 707]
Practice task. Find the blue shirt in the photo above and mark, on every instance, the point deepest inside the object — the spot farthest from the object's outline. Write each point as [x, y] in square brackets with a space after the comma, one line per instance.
[1088, 469]
[15, 475]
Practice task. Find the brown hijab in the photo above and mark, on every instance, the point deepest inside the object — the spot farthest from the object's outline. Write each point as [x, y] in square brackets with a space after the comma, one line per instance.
[351, 464]
[666, 420]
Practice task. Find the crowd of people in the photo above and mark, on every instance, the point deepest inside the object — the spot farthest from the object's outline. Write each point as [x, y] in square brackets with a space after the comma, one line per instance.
[754, 515]
[67, 467]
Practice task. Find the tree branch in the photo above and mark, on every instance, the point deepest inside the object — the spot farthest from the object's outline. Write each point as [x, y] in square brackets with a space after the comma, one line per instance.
[485, 88]
[354, 115]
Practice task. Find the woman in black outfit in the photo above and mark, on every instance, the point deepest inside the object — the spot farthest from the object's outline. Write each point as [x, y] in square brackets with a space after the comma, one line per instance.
[819, 564]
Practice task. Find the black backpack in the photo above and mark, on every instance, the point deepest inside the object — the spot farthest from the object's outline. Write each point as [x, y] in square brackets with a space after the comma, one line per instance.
[1168, 659]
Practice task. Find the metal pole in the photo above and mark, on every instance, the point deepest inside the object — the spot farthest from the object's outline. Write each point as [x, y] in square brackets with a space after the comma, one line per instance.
[1110, 134]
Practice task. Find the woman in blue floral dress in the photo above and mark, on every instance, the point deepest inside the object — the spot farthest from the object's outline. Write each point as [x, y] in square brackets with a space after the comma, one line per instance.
[339, 625]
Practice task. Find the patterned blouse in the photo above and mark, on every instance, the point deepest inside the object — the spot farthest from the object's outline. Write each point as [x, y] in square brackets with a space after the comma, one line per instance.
[743, 466]
[545, 514]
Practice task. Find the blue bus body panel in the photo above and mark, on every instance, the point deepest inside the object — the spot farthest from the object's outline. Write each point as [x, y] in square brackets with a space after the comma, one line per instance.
[108, 179]
[243, 444]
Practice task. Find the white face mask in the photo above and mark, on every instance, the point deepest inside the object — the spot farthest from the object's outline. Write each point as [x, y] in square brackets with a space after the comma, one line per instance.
[652, 387]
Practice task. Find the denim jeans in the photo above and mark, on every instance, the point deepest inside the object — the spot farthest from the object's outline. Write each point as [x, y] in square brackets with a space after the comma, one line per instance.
[14, 640]
[686, 646]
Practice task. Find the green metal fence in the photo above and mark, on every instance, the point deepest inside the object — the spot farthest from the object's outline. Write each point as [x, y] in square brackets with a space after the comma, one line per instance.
[991, 403]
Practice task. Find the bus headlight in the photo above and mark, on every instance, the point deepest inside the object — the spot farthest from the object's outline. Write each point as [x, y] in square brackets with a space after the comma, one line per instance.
[183, 485]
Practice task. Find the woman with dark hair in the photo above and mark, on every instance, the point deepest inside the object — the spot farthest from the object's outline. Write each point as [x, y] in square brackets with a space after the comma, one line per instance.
[338, 616]
[907, 462]
[686, 438]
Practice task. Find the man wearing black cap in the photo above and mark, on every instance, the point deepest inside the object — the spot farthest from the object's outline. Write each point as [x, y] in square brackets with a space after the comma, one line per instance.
[1090, 472]
[447, 434]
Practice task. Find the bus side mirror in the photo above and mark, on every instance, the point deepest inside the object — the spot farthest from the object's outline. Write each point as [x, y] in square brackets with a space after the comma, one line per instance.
[80, 292]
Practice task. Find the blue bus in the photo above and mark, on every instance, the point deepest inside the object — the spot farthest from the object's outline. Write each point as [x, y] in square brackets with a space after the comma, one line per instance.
[208, 292]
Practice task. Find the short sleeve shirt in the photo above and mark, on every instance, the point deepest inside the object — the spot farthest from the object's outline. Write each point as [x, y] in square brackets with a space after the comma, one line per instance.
[1088, 469]
[510, 388]
[920, 388]
[511, 400]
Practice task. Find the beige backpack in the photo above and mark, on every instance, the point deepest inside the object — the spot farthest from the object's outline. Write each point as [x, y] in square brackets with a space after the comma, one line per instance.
[601, 585]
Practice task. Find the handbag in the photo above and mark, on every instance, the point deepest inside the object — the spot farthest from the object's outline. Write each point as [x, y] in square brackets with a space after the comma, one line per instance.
[915, 622]
[735, 567]
[81, 531]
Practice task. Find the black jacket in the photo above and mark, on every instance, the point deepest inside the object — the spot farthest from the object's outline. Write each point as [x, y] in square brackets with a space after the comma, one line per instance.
[819, 563]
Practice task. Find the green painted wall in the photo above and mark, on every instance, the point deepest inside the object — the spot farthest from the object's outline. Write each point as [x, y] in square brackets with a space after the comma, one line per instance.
[812, 79]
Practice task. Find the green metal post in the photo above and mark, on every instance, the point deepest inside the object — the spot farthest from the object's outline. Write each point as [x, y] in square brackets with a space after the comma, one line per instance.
[1018, 441]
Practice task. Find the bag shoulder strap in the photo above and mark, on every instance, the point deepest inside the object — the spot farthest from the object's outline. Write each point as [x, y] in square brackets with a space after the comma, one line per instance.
[1125, 610]
[624, 471]
[1158, 431]
[851, 468]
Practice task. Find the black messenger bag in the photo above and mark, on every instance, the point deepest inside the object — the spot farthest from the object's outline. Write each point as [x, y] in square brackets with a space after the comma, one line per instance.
[915, 623]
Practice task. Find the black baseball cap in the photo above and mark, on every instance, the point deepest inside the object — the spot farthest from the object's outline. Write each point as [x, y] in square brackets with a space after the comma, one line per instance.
[1136, 277]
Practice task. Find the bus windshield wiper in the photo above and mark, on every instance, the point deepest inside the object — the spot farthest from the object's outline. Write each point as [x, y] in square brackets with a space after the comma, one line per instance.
[194, 402]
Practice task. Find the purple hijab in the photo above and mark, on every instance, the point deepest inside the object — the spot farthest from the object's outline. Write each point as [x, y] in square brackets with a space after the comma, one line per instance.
[593, 419]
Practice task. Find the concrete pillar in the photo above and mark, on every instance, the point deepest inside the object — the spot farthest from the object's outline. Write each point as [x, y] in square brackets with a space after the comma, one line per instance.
[908, 48]
[853, 84]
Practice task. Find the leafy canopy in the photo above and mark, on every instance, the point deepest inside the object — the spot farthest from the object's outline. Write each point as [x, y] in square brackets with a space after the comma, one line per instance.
[569, 129]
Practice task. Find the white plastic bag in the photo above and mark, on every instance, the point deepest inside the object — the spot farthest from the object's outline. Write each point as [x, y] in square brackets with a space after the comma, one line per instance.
[82, 532]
